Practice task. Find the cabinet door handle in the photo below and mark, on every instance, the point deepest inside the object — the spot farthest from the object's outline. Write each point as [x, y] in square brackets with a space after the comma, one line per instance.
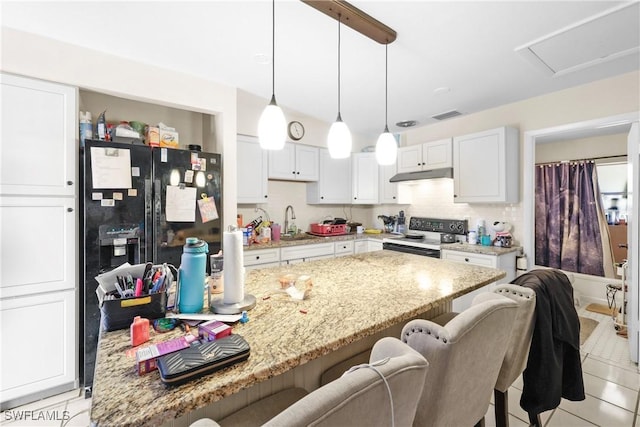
[265, 196]
[69, 209]
[466, 259]
[257, 257]
[297, 173]
[394, 197]
[355, 198]
[293, 172]
[69, 182]
[321, 197]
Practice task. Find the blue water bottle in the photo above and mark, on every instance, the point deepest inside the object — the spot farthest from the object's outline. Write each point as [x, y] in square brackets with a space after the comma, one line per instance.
[191, 276]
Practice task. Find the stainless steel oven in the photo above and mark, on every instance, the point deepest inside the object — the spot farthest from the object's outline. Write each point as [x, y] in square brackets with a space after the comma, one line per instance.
[424, 236]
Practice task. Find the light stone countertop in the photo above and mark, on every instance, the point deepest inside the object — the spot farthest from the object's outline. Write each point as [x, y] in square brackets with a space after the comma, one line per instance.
[479, 249]
[353, 297]
[310, 239]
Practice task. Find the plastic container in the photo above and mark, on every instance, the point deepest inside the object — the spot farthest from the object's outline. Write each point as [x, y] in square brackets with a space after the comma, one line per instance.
[139, 331]
[86, 127]
[191, 276]
[276, 229]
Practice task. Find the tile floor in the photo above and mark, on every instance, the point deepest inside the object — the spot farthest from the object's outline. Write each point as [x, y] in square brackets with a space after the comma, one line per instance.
[612, 384]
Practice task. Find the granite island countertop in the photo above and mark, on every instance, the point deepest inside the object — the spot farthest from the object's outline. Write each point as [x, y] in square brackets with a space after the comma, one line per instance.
[353, 297]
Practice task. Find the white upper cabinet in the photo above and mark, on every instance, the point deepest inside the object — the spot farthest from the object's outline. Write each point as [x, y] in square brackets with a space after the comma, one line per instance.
[365, 179]
[485, 166]
[334, 184]
[38, 137]
[426, 156]
[252, 171]
[294, 162]
[392, 192]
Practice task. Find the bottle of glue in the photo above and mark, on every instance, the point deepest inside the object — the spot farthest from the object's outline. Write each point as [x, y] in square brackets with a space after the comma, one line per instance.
[139, 331]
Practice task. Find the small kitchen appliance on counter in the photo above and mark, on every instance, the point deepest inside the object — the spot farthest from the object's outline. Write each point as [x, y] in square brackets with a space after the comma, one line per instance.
[425, 236]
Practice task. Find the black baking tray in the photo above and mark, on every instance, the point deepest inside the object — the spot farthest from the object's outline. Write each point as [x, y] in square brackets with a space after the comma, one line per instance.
[199, 360]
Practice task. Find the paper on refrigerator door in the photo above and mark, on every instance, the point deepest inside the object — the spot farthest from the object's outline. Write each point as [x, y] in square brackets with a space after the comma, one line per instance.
[110, 167]
[180, 204]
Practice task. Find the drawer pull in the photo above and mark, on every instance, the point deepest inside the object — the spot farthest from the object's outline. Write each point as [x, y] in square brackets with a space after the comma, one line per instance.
[257, 256]
[466, 259]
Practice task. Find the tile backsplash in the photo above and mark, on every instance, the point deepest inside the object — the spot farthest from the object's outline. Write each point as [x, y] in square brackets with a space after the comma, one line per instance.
[430, 198]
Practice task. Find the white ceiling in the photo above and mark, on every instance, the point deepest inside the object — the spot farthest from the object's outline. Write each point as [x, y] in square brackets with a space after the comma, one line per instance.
[468, 47]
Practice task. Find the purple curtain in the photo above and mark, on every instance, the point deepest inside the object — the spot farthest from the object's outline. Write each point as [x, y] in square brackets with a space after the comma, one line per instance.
[567, 228]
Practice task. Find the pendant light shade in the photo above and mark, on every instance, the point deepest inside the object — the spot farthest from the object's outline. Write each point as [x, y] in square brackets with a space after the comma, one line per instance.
[272, 127]
[339, 139]
[386, 147]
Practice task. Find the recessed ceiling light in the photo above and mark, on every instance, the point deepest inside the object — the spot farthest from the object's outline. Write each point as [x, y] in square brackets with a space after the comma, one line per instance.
[407, 123]
[262, 58]
[441, 90]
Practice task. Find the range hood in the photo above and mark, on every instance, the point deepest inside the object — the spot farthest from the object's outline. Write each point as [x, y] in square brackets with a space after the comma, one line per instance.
[420, 175]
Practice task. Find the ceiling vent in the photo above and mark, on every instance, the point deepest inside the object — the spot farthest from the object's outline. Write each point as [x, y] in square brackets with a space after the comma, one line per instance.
[609, 35]
[446, 115]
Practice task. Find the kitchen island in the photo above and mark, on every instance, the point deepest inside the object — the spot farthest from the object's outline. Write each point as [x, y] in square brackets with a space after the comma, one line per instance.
[355, 300]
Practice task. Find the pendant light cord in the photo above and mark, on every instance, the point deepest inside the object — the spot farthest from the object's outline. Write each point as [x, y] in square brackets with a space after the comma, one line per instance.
[386, 85]
[273, 48]
[339, 65]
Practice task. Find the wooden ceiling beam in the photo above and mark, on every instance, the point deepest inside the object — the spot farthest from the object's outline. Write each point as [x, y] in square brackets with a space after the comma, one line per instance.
[353, 17]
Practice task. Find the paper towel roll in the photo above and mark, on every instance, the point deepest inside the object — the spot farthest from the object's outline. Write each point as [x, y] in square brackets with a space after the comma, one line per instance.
[233, 267]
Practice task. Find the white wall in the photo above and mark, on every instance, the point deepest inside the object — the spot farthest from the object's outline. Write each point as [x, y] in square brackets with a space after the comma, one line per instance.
[39, 57]
[603, 98]
[583, 148]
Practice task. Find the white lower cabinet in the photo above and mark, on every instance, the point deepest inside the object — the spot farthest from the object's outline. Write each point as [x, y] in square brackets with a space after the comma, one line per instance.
[39, 356]
[261, 258]
[368, 245]
[344, 248]
[506, 262]
[305, 253]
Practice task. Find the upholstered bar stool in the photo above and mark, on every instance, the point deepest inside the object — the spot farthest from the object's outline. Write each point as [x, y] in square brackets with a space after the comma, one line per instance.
[515, 358]
[465, 357]
[383, 392]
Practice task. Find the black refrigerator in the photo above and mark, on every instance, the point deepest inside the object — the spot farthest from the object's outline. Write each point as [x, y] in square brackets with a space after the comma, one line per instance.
[139, 204]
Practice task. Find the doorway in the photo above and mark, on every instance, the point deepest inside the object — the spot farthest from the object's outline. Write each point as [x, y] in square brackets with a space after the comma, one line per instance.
[625, 123]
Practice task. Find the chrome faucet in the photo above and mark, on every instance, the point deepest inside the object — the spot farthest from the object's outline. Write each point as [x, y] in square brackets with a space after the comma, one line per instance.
[286, 219]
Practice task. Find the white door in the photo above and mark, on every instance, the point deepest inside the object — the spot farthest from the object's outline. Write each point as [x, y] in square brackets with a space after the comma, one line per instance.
[282, 163]
[633, 269]
[38, 137]
[38, 245]
[307, 163]
[252, 171]
[38, 342]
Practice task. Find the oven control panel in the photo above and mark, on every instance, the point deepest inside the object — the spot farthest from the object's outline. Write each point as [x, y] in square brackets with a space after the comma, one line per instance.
[453, 226]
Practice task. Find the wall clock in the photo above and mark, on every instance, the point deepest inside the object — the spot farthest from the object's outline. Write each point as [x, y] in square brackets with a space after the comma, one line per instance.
[296, 130]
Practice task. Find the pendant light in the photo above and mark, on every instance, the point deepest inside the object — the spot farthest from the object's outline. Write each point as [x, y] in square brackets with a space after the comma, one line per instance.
[339, 140]
[386, 147]
[272, 127]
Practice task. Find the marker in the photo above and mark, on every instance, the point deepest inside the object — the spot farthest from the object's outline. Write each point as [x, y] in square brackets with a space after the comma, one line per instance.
[138, 292]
